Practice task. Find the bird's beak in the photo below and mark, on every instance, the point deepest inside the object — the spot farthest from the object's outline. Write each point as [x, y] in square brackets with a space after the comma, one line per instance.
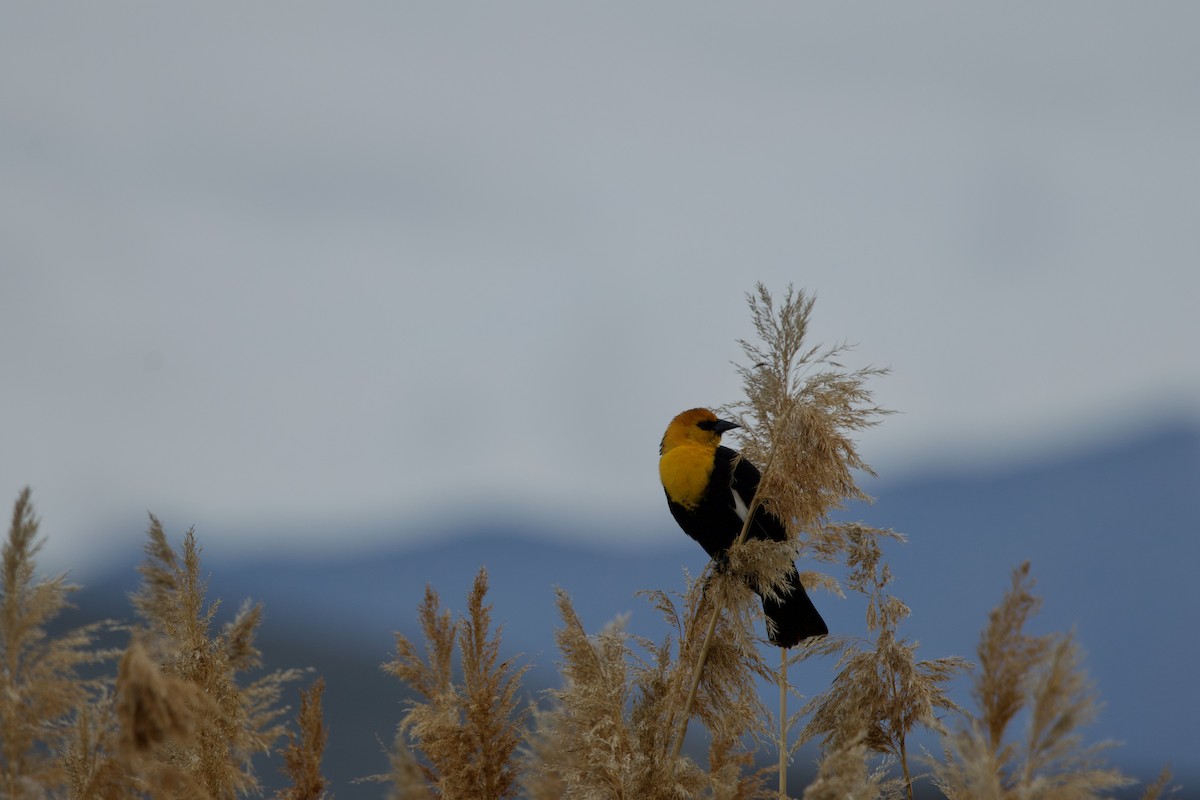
[724, 425]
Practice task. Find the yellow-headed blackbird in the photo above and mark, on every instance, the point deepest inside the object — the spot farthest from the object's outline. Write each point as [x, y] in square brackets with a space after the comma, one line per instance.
[709, 491]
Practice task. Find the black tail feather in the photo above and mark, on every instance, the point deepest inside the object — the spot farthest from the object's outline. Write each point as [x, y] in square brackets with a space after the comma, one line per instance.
[795, 618]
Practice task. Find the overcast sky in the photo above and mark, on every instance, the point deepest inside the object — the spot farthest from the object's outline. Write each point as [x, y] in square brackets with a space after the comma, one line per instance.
[312, 265]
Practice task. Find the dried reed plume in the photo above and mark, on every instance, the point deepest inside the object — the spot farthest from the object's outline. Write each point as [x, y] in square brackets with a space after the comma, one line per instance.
[40, 688]
[233, 720]
[843, 772]
[608, 729]
[798, 416]
[882, 692]
[467, 732]
[153, 708]
[95, 767]
[157, 714]
[1160, 786]
[174, 722]
[302, 756]
[1041, 676]
[800, 411]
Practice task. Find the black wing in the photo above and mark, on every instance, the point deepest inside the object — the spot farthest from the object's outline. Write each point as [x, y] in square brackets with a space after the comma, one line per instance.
[744, 481]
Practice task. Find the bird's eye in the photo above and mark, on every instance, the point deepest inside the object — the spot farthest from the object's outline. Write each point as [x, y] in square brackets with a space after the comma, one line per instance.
[707, 424]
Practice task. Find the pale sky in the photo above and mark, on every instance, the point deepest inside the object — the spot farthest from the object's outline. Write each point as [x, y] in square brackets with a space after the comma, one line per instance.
[308, 266]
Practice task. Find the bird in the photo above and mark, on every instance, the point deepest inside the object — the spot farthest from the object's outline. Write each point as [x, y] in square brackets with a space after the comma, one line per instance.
[709, 491]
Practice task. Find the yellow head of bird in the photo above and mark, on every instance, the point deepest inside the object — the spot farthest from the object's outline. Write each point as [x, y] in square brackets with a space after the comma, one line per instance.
[697, 426]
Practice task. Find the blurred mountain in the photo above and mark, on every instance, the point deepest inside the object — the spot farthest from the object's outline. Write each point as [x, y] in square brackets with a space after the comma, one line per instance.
[1112, 532]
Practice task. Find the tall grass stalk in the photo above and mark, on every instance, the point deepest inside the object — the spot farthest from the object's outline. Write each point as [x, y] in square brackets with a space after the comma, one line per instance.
[783, 722]
[702, 657]
[799, 409]
[40, 684]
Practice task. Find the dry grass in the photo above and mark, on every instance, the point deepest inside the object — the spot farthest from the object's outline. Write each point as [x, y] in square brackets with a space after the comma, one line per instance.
[467, 731]
[799, 415]
[800, 411]
[302, 756]
[607, 731]
[1042, 677]
[888, 690]
[181, 717]
[40, 685]
[175, 721]
[234, 719]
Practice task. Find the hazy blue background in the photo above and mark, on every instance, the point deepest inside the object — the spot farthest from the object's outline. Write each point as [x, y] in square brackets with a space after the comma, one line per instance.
[325, 277]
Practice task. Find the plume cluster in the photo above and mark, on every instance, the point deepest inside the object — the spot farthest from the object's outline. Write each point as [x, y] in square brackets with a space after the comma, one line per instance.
[177, 720]
[1041, 678]
[40, 684]
[468, 730]
[881, 692]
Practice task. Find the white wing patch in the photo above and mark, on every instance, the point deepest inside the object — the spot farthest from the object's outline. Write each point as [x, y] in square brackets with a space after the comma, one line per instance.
[739, 505]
